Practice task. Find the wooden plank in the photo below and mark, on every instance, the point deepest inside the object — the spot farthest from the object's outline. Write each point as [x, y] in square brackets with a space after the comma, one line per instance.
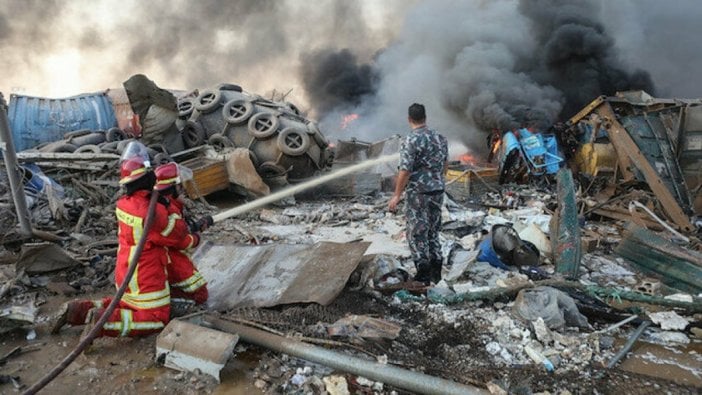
[63, 156]
[626, 146]
[209, 176]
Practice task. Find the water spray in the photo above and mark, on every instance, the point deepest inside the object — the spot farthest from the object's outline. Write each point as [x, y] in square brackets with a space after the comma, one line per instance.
[302, 187]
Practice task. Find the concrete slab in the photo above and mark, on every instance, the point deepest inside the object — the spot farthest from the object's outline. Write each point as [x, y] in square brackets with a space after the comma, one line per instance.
[185, 346]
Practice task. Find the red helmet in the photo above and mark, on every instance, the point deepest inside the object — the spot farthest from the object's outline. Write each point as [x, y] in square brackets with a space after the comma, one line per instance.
[134, 163]
[131, 170]
[167, 175]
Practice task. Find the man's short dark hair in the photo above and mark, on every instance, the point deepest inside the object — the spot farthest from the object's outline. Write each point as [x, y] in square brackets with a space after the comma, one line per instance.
[417, 113]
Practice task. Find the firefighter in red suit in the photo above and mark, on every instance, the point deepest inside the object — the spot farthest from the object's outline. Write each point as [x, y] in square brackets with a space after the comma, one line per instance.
[145, 306]
[184, 279]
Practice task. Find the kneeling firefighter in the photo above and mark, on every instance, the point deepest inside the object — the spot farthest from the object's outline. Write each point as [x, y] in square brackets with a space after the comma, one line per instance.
[145, 306]
[184, 279]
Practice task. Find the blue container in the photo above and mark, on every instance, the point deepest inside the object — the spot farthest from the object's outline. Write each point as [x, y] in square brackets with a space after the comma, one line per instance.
[37, 120]
[488, 254]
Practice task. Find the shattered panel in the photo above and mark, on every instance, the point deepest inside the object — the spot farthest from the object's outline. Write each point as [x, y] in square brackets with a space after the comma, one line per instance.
[262, 276]
[649, 133]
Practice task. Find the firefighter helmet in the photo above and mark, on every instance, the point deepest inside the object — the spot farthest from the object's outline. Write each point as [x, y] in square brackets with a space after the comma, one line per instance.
[134, 162]
[166, 175]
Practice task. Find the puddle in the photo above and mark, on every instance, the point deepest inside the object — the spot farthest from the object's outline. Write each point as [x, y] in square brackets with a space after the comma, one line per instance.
[680, 364]
[237, 376]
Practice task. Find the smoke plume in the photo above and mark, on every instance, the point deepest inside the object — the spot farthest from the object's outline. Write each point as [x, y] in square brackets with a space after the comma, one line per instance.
[475, 64]
[335, 80]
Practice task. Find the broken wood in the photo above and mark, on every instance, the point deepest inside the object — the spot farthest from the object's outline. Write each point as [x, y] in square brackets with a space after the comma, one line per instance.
[626, 148]
[26, 156]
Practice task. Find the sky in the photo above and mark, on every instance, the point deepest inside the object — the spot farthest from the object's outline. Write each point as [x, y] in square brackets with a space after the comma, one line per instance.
[475, 64]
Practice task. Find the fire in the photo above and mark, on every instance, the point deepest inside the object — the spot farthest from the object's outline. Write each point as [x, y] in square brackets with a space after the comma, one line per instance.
[496, 146]
[347, 119]
[467, 159]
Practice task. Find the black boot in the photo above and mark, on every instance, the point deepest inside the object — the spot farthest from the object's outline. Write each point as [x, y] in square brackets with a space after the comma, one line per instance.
[435, 272]
[424, 274]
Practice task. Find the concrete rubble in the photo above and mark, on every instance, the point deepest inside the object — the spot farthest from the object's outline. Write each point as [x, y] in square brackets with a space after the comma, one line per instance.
[538, 308]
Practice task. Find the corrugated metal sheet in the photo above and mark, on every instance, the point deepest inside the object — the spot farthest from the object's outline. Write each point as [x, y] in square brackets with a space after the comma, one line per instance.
[36, 120]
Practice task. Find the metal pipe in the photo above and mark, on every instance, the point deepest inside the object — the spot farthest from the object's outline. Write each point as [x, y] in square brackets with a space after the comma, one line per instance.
[388, 374]
[301, 187]
[10, 157]
[629, 343]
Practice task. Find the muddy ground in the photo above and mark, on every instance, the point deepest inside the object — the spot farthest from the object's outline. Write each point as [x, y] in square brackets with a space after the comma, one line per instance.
[445, 341]
[455, 351]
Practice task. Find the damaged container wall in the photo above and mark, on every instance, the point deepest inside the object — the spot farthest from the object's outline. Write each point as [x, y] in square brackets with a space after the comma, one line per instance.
[123, 109]
[650, 136]
[36, 120]
[690, 154]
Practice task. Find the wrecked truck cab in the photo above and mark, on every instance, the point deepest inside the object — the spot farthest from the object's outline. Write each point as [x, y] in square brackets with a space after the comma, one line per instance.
[526, 153]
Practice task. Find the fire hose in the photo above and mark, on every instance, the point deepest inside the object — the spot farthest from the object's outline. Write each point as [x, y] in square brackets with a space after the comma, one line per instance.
[85, 342]
[36, 387]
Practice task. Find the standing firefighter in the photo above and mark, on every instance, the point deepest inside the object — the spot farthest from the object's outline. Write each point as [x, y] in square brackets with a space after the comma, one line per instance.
[146, 304]
[423, 161]
[184, 279]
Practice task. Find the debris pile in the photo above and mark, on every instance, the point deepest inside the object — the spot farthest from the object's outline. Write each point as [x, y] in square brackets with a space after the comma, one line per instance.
[546, 285]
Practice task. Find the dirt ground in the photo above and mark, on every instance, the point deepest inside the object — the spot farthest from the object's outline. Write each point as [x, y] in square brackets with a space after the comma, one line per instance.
[455, 351]
[444, 341]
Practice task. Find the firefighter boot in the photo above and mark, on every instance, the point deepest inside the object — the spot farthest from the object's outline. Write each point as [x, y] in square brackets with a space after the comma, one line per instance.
[73, 312]
[91, 319]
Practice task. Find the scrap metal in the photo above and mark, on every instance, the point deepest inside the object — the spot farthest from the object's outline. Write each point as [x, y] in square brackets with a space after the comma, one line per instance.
[565, 237]
[679, 267]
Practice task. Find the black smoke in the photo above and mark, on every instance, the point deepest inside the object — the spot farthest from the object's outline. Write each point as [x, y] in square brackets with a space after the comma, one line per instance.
[576, 54]
[335, 80]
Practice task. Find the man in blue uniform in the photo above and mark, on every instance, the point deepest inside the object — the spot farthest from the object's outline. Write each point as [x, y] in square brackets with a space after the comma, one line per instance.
[423, 161]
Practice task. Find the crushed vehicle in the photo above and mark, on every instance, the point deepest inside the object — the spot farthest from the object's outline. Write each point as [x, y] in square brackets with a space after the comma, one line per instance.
[633, 138]
[525, 153]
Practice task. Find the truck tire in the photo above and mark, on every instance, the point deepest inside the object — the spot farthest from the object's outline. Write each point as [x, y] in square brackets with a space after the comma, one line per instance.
[88, 148]
[208, 100]
[237, 111]
[64, 148]
[115, 134]
[229, 87]
[263, 125]
[193, 134]
[270, 169]
[220, 141]
[186, 107]
[293, 141]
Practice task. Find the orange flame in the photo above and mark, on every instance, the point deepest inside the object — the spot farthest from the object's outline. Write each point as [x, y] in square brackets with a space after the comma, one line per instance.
[467, 159]
[496, 146]
[347, 119]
